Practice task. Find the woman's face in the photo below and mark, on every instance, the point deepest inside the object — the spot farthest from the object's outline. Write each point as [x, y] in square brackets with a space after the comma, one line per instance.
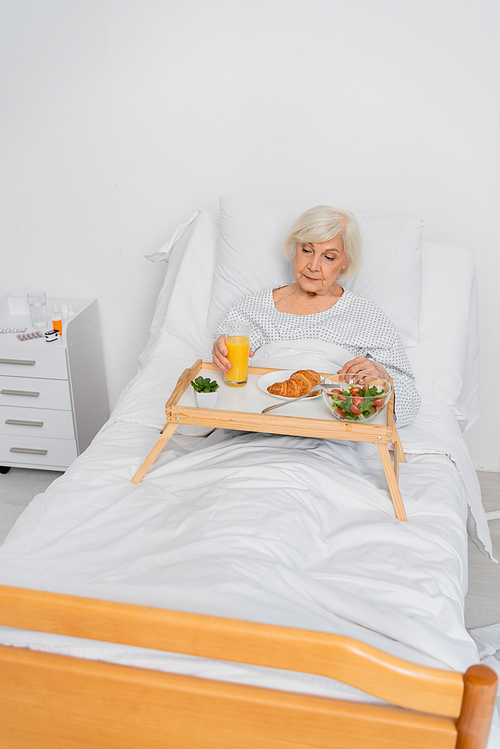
[317, 264]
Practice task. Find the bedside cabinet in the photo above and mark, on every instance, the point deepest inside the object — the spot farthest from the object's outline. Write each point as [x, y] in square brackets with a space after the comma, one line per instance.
[52, 395]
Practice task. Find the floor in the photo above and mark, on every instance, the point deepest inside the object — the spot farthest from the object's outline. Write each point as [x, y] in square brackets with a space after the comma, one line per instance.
[17, 489]
[482, 604]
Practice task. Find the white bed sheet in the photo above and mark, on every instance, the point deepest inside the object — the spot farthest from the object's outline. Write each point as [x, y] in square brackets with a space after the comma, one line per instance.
[285, 530]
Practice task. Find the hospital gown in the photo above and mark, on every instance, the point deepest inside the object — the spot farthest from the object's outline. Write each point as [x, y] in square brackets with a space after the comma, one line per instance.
[355, 323]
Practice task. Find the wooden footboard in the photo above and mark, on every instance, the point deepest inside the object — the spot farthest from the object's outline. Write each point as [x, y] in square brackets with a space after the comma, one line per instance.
[49, 701]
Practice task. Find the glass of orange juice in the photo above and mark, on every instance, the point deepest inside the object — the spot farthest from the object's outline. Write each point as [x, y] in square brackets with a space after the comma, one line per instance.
[238, 346]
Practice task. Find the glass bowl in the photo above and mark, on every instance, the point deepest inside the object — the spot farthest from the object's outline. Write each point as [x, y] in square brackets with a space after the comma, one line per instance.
[356, 398]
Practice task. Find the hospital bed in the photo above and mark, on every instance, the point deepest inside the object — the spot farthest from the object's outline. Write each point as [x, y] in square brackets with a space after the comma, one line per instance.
[253, 590]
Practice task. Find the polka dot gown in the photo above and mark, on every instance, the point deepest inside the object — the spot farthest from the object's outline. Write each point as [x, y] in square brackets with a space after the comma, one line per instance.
[353, 322]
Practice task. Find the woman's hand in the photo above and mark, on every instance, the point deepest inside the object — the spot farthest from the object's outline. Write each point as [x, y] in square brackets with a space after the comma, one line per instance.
[219, 354]
[362, 366]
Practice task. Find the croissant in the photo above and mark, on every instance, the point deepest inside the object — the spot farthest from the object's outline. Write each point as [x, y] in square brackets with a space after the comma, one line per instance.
[300, 383]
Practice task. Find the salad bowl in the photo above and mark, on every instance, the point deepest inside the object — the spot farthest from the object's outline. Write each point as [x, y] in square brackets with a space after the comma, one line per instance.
[353, 400]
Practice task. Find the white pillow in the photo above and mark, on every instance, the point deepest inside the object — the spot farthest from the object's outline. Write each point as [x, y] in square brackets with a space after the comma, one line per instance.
[183, 300]
[446, 360]
[250, 259]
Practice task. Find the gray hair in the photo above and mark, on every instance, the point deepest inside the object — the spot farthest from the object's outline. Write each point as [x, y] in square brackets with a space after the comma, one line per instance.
[322, 223]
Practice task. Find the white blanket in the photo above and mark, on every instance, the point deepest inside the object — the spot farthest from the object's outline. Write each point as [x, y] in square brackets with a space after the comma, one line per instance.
[303, 353]
[285, 530]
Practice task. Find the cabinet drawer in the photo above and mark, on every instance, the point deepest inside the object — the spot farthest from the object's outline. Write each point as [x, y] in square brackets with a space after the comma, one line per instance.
[36, 422]
[35, 360]
[29, 392]
[36, 451]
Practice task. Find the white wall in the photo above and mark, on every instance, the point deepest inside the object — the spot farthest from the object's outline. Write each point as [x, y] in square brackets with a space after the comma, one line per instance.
[121, 117]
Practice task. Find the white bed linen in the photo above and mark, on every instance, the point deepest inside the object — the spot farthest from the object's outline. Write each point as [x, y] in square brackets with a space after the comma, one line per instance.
[446, 361]
[285, 530]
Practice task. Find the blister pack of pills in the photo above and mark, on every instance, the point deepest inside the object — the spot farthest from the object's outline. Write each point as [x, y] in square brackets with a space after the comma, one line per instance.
[30, 336]
[13, 330]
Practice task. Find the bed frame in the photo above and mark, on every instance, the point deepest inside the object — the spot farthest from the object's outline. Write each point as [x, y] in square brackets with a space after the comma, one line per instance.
[58, 702]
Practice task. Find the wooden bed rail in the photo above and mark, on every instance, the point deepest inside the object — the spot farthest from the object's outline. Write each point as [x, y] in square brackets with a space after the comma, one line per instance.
[343, 658]
[57, 702]
[51, 701]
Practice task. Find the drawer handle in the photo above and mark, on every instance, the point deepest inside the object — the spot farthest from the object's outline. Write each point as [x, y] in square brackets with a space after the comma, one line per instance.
[30, 450]
[24, 423]
[18, 361]
[32, 393]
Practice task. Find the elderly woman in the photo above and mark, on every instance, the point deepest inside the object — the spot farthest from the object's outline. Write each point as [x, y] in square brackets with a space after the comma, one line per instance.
[325, 246]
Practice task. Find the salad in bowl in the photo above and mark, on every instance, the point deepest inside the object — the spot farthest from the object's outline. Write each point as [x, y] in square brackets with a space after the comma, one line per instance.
[353, 400]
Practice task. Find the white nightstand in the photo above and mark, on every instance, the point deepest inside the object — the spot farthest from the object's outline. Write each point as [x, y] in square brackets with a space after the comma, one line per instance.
[52, 395]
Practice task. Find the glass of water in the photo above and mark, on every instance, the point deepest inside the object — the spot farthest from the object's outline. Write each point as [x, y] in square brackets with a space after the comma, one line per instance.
[38, 309]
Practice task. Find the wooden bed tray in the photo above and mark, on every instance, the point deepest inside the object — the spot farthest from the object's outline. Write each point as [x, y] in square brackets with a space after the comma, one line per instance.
[60, 702]
[381, 434]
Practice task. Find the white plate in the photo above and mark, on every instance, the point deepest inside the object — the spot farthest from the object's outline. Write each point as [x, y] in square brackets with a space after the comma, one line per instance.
[280, 376]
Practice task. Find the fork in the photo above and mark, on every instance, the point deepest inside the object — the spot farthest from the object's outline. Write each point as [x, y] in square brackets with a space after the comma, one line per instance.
[316, 389]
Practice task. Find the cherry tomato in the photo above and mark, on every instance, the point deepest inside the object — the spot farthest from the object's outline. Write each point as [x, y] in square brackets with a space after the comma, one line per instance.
[342, 398]
[358, 401]
[355, 410]
[339, 392]
[355, 390]
[378, 402]
[340, 413]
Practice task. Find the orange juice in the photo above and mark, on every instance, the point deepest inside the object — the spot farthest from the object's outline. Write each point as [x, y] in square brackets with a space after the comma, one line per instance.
[238, 347]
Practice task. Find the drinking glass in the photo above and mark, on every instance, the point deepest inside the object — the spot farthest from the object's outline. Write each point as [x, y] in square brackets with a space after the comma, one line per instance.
[238, 346]
[38, 309]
